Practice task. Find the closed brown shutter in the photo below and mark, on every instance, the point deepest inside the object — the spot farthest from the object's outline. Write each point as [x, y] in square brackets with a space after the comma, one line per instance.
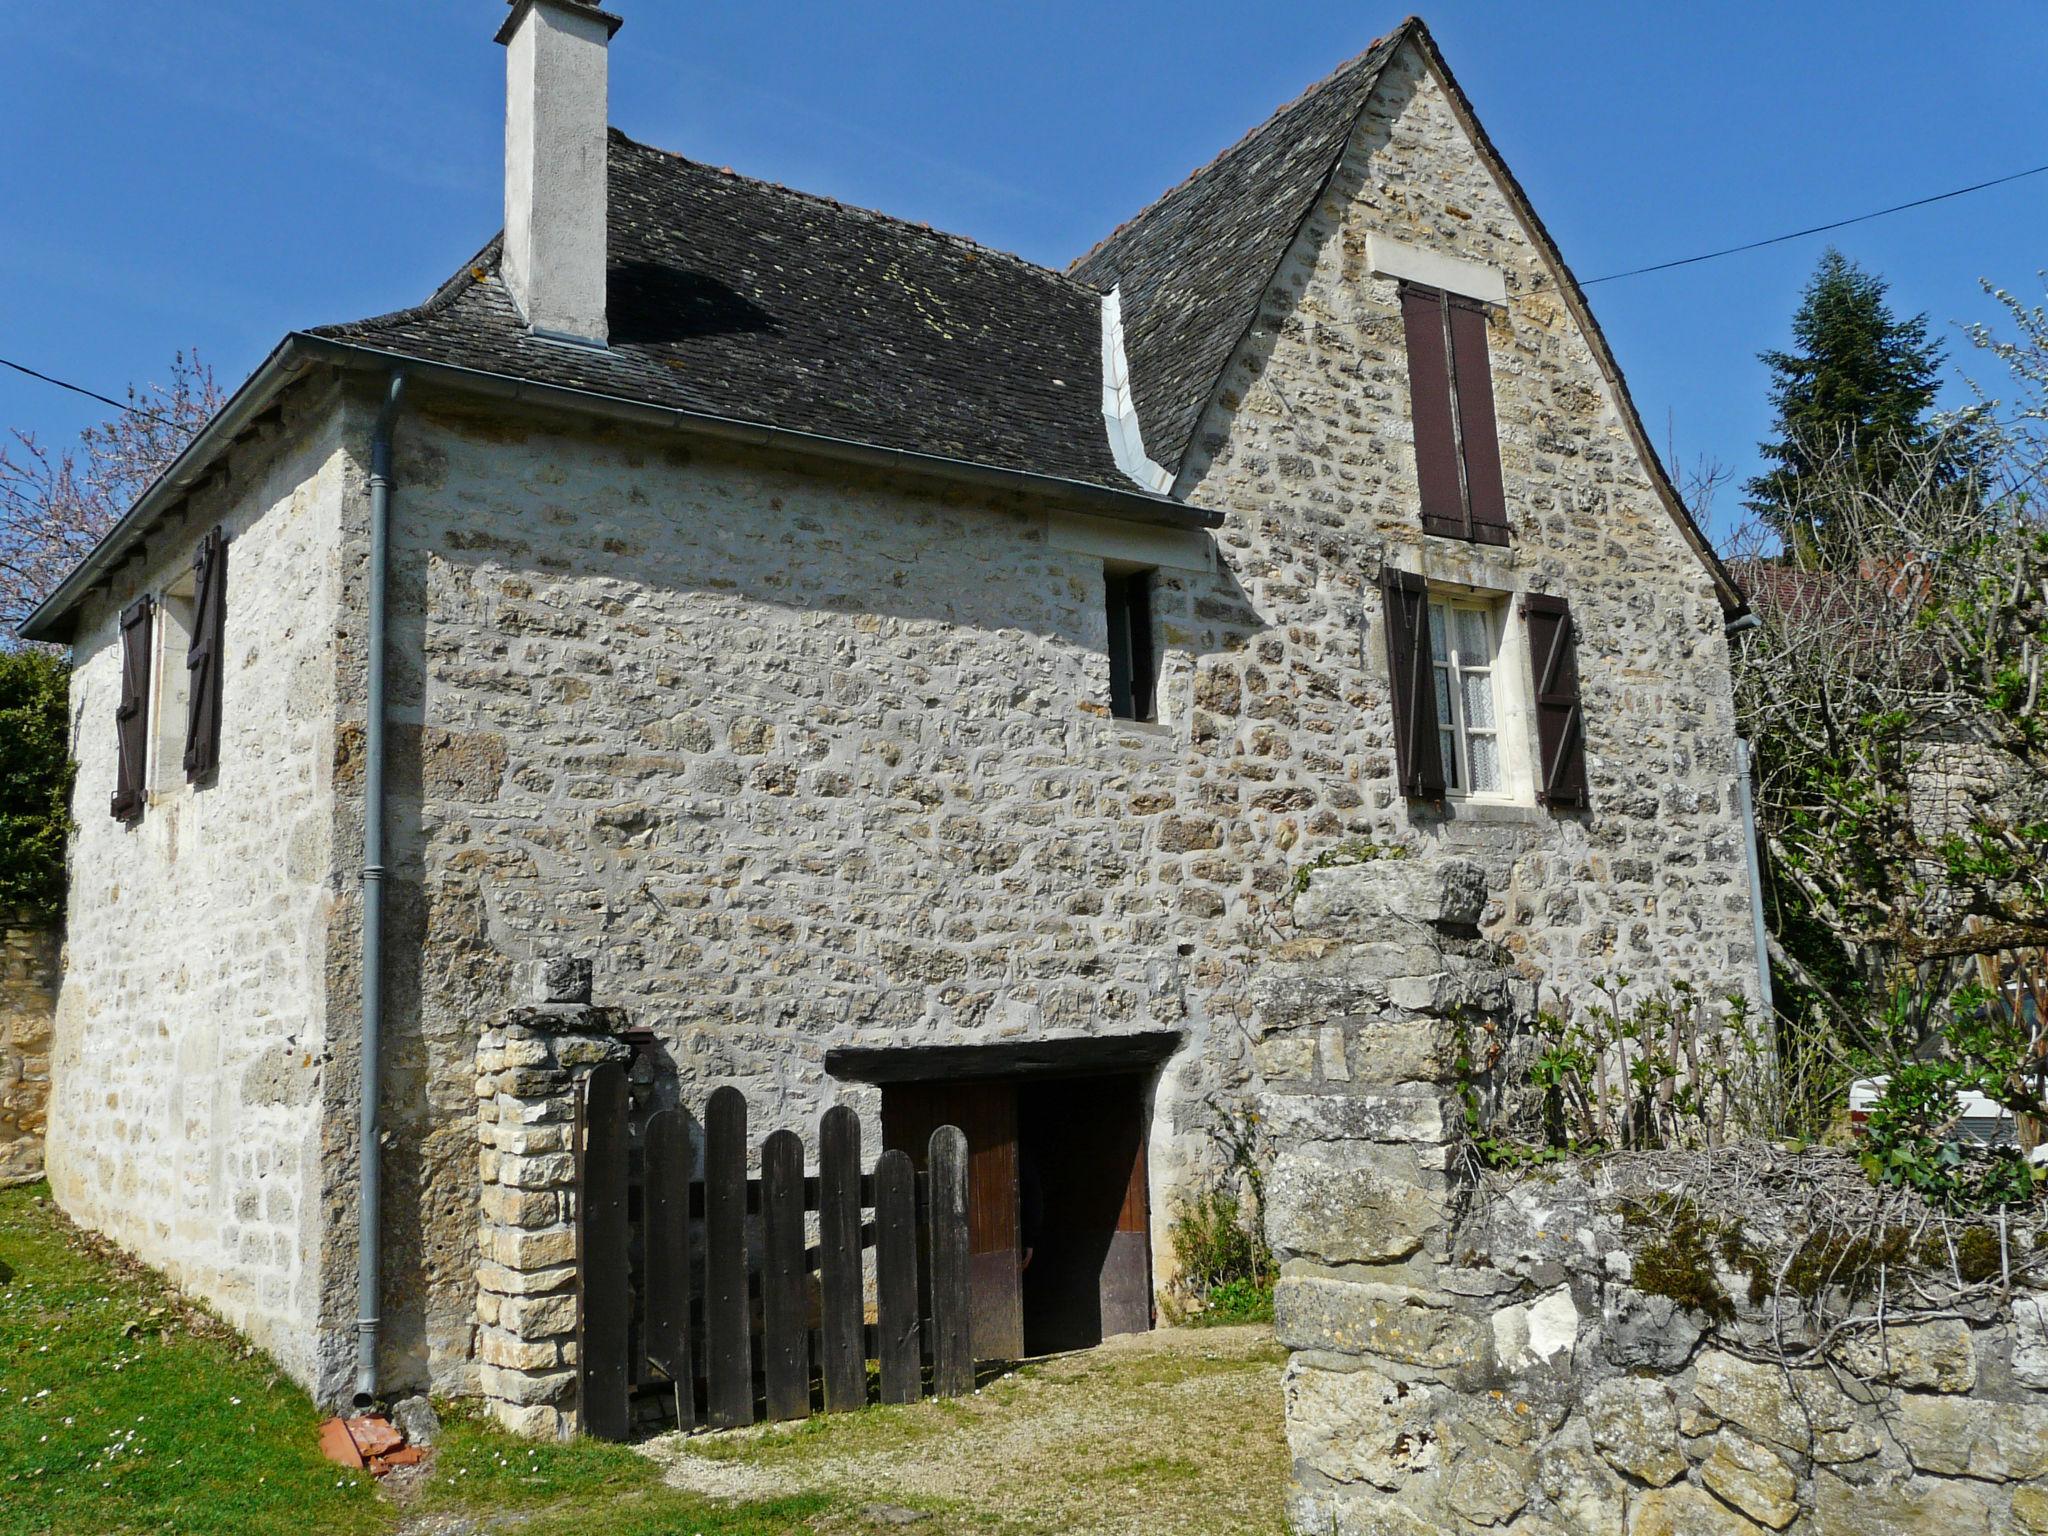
[131, 715]
[203, 657]
[1418, 755]
[1560, 719]
[1477, 435]
[1450, 388]
[1429, 393]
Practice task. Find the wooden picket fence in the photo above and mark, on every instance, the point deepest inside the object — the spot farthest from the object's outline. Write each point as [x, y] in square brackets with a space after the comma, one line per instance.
[740, 1331]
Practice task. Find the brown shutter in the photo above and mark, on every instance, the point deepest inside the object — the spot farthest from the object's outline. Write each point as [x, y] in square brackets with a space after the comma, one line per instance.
[1477, 435]
[203, 658]
[131, 715]
[1418, 756]
[1429, 393]
[1560, 719]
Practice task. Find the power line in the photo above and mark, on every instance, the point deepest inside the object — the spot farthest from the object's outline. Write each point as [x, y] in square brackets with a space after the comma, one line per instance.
[1800, 234]
[91, 394]
[1662, 266]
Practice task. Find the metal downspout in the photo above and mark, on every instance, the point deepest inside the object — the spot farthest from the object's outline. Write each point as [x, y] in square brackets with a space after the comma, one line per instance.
[370, 1151]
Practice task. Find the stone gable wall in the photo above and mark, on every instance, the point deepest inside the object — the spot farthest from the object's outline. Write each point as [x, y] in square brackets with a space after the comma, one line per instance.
[1309, 446]
[190, 1031]
[30, 956]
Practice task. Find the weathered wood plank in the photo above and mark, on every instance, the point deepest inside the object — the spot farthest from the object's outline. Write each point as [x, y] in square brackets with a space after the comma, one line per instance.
[785, 1325]
[602, 1263]
[668, 1258]
[843, 1365]
[952, 1302]
[896, 1278]
[728, 1342]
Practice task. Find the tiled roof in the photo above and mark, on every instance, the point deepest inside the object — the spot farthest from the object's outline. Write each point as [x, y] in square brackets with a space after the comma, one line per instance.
[1195, 264]
[743, 299]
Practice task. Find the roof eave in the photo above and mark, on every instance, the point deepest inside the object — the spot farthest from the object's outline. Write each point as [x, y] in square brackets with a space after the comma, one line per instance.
[1133, 505]
[50, 623]
[51, 620]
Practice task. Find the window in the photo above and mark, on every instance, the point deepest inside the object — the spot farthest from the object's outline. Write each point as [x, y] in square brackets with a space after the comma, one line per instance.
[174, 620]
[1484, 704]
[1464, 647]
[1133, 667]
[1450, 386]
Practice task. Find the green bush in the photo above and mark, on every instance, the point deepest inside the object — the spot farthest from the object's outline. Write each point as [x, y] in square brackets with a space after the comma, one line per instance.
[35, 782]
[1225, 1265]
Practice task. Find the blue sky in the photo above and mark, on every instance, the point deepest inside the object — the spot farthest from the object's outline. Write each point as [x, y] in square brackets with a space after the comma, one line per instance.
[217, 172]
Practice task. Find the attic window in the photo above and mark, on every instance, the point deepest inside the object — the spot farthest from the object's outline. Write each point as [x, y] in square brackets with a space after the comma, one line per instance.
[1450, 386]
[1133, 658]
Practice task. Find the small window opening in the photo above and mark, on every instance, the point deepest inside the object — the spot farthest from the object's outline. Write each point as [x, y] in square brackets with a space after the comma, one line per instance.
[176, 612]
[1133, 663]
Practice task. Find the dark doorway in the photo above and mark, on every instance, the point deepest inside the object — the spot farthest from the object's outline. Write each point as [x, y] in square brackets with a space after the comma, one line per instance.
[1082, 1143]
[1065, 1159]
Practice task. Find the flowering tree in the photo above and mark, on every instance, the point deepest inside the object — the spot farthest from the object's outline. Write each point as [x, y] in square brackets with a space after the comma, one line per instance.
[56, 504]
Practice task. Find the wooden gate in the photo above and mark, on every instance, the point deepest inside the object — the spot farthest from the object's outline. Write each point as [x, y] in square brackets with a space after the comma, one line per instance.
[705, 1296]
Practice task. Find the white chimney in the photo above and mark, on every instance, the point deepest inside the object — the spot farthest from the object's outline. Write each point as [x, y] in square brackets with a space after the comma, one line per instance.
[555, 157]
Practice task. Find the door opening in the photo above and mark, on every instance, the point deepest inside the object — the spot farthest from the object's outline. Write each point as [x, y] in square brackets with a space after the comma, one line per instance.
[1056, 1166]
[1081, 1142]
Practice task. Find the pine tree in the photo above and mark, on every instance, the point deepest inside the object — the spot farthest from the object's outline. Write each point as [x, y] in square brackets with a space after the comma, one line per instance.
[1861, 379]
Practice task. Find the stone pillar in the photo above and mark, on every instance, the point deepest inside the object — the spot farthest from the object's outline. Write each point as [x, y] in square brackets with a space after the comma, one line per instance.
[29, 965]
[528, 1067]
[1364, 1020]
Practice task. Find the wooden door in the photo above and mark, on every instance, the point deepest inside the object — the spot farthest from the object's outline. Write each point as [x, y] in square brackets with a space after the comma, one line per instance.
[987, 1112]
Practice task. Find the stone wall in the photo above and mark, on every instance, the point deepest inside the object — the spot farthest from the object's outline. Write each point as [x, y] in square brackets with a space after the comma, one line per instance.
[30, 956]
[1551, 1354]
[817, 760]
[190, 1037]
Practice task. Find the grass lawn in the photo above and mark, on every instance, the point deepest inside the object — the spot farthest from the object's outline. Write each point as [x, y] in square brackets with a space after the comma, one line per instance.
[123, 1409]
[126, 1410]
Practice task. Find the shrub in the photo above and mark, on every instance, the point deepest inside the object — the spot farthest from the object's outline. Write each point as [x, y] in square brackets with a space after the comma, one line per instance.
[35, 782]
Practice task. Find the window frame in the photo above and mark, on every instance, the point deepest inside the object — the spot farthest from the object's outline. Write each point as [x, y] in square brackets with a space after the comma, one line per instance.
[1449, 674]
[177, 614]
[1131, 623]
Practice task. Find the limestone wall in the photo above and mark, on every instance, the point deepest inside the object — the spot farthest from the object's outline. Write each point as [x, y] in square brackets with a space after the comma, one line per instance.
[808, 759]
[190, 1033]
[1308, 444]
[1607, 1350]
[30, 953]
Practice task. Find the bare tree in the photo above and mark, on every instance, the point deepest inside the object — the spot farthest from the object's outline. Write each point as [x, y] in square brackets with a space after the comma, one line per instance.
[55, 505]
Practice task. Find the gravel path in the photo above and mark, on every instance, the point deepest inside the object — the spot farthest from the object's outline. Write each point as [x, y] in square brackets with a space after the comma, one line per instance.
[1171, 1433]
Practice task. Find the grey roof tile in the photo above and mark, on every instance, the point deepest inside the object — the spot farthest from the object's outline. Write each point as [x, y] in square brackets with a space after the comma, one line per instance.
[747, 300]
[1194, 265]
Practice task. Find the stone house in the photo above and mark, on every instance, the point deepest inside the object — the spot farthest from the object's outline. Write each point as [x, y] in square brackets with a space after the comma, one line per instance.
[909, 676]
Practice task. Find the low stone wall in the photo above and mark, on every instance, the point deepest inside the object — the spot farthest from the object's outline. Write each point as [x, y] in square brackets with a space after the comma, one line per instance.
[1581, 1353]
[29, 964]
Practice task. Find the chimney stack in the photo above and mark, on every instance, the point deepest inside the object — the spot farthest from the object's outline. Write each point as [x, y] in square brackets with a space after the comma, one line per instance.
[555, 159]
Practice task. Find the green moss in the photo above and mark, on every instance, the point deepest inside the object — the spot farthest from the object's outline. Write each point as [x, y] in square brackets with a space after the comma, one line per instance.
[1978, 1255]
[1832, 1260]
[1679, 1261]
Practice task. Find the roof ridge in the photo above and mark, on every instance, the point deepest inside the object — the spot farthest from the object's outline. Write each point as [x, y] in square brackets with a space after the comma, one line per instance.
[941, 236]
[1316, 88]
